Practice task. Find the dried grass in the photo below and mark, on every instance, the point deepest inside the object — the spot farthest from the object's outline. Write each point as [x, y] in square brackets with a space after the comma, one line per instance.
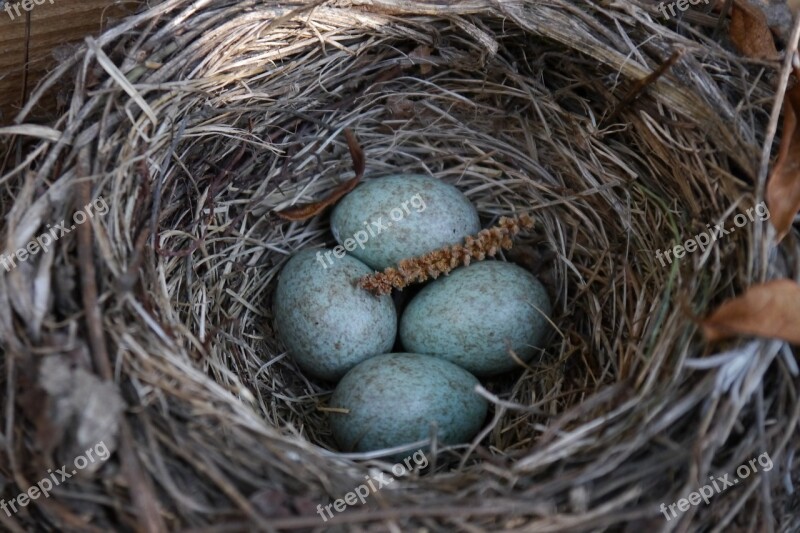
[197, 120]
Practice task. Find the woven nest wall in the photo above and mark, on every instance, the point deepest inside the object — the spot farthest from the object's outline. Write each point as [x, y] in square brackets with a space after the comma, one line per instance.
[149, 326]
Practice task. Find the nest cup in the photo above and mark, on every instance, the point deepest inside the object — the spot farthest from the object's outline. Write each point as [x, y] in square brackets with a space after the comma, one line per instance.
[196, 121]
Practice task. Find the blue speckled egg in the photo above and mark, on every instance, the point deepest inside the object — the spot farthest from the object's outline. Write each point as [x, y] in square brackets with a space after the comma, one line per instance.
[326, 322]
[476, 314]
[393, 398]
[397, 217]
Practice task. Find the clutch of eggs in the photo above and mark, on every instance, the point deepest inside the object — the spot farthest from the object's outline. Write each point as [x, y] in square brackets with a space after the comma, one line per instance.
[458, 326]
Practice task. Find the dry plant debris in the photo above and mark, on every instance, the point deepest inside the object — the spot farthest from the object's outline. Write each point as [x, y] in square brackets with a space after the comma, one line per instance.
[306, 211]
[770, 310]
[750, 32]
[485, 244]
[783, 187]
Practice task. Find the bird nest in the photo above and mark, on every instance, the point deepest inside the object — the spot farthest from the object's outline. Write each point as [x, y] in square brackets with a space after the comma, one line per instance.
[146, 325]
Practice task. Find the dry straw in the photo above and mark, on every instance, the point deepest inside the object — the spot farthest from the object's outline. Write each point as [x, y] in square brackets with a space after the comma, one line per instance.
[487, 243]
[196, 120]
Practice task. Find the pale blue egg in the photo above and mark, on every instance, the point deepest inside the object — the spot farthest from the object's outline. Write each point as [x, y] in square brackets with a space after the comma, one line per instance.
[476, 314]
[393, 399]
[326, 322]
[388, 219]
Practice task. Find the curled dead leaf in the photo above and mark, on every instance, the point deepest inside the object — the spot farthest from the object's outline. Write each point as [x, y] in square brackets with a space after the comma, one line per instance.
[783, 186]
[768, 310]
[750, 32]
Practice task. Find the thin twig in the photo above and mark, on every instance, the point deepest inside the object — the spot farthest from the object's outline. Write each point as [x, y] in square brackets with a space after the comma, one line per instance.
[766, 149]
[640, 85]
[726, 9]
[141, 490]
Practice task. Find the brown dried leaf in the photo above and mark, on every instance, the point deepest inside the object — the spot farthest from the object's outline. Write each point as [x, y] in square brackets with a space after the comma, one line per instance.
[306, 211]
[767, 310]
[783, 187]
[356, 153]
[750, 31]
[779, 17]
[422, 52]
